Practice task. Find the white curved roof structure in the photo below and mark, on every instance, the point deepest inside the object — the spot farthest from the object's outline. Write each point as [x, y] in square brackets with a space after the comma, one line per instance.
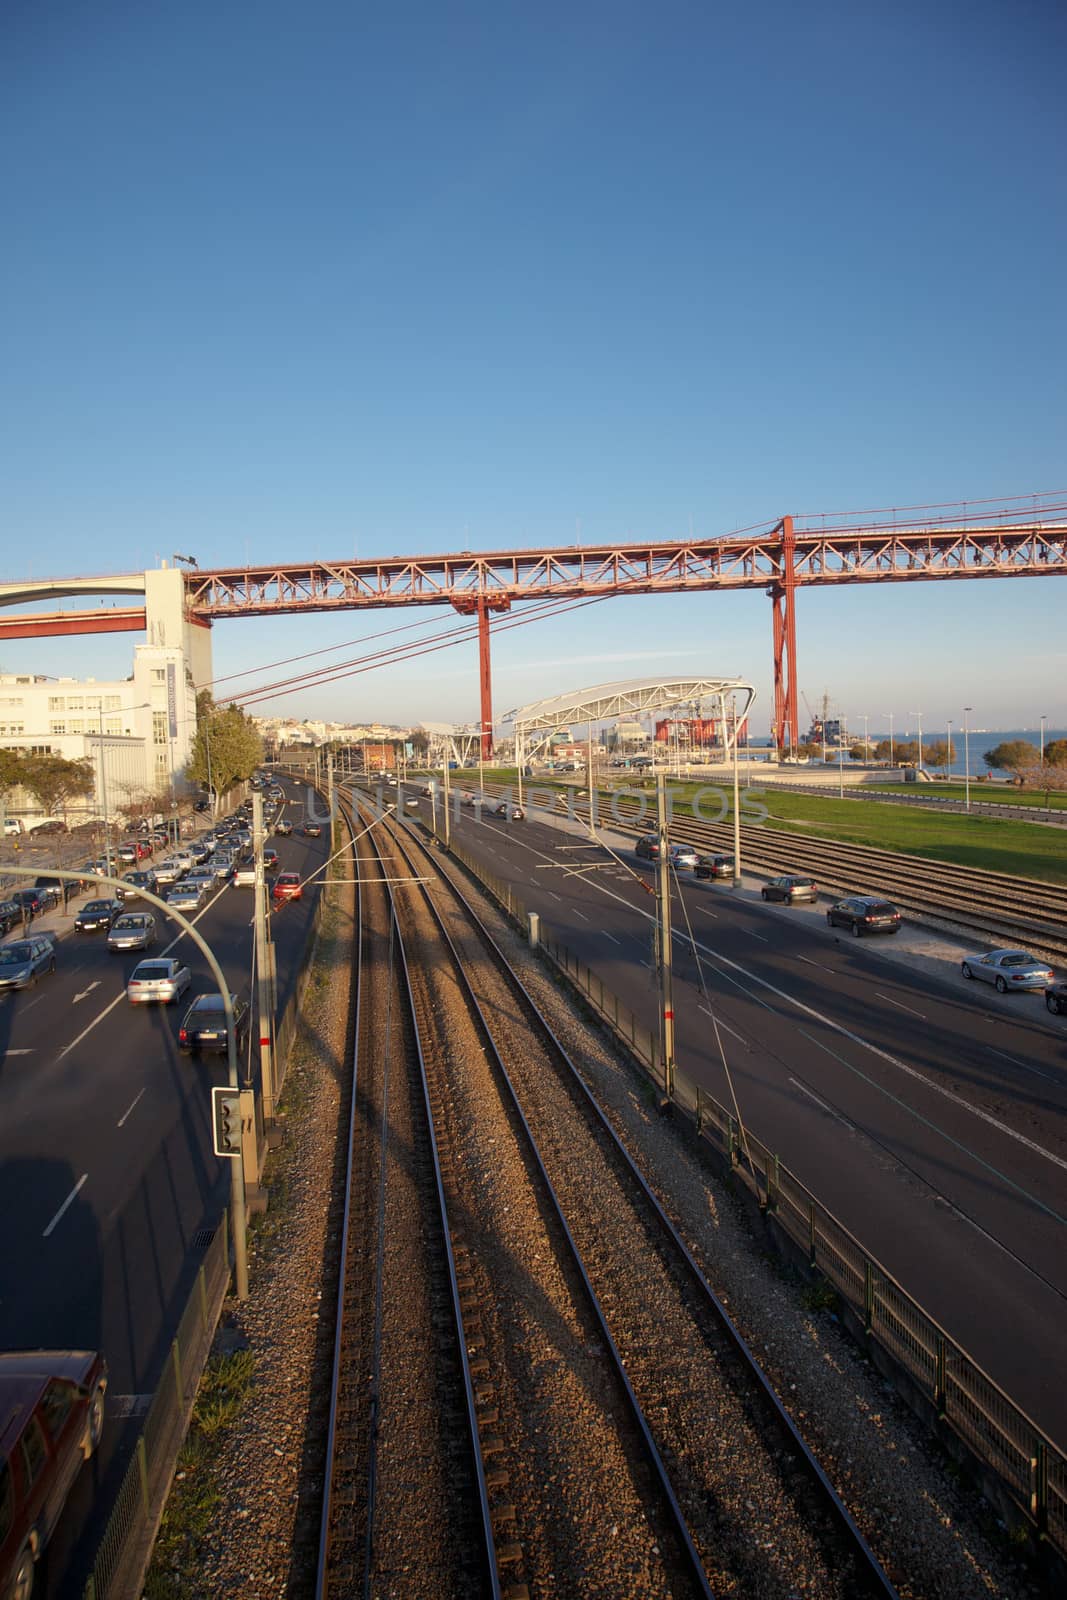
[631, 697]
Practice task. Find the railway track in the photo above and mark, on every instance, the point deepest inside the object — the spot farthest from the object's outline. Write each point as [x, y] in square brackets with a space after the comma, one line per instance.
[988, 906]
[602, 1428]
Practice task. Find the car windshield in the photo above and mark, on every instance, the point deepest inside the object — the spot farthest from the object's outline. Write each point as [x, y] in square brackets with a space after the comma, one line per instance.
[799, 883]
[125, 924]
[210, 1002]
[152, 969]
[13, 955]
[1017, 958]
[98, 905]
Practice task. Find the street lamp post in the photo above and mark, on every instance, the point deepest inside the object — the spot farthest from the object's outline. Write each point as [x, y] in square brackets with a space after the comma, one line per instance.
[920, 717]
[892, 762]
[840, 762]
[948, 751]
[103, 797]
[1044, 719]
[966, 759]
[866, 742]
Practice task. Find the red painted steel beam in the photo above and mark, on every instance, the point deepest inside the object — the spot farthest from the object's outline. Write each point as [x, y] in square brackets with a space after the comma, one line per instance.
[786, 731]
[51, 624]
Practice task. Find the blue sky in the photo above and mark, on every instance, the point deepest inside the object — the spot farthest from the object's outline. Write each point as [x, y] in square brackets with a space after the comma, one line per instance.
[282, 282]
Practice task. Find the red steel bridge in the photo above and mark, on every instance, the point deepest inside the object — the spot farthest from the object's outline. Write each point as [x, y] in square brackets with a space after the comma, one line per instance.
[1019, 538]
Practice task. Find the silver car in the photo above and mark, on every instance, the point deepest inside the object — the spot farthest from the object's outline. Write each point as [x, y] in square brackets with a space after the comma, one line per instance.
[134, 930]
[169, 871]
[23, 961]
[1008, 969]
[185, 896]
[161, 980]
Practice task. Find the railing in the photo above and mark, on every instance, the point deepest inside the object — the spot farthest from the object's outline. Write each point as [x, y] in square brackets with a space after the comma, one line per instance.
[123, 1552]
[1000, 1436]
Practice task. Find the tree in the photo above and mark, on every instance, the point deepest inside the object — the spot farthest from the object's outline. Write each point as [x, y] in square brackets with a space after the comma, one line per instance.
[53, 781]
[10, 771]
[227, 747]
[906, 752]
[1056, 753]
[939, 754]
[1015, 755]
[884, 751]
[857, 753]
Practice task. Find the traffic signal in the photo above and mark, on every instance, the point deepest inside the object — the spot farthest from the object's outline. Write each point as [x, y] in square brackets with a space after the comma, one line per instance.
[226, 1121]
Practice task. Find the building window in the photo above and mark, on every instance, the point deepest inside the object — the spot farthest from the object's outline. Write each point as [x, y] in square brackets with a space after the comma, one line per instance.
[92, 702]
[75, 703]
[159, 674]
[159, 727]
[57, 727]
[75, 725]
[112, 702]
[56, 702]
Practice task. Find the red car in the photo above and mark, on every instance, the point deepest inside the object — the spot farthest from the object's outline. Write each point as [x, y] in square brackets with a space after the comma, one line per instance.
[51, 1420]
[144, 848]
[287, 887]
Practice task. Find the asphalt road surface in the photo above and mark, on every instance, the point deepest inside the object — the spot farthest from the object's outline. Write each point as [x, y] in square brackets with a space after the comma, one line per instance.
[109, 1188]
[927, 1113]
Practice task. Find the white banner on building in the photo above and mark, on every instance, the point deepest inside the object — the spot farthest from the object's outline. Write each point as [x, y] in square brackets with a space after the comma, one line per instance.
[172, 701]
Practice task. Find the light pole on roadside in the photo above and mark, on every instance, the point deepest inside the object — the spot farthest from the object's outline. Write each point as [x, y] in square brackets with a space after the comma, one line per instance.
[103, 797]
[840, 765]
[866, 741]
[666, 977]
[920, 717]
[948, 750]
[237, 1171]
[892, 762]
[1044, 719]
[966, 759]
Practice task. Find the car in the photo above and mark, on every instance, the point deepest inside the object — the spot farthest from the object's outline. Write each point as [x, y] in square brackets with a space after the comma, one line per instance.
[162, 979]
[647, 847]
[1056, 998]
[1008, 969]
[244, 876]
[220, 866]
[52, 890]
[127, 853]
[204, 1024]
[411, 802]
[23, 961]
[311, 830]
[283, 828]
[44, 829]
[51, 1422]
[288, 886]
[135, 882]
[185, 896]
[96, 916]
[714, 867]
[143, 848]
[270, 860]
[134, 930]
[202, 804]
[202, 878]
[790, 888]
[864, 913]
[168, 871]
[10, 915]
[682, 855]
[13, 828]
[514, 813]
[472, 800]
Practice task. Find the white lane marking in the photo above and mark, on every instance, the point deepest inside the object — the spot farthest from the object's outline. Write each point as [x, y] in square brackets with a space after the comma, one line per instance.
[69, 1201]
[822, 1105]
[129, 1108]
[581, 914]
[610, 936]
[932, 1127]
[900, 1005]
[554, 895]
[707, 913]
[723, 1025]
[87, 992]
[4, 1053]
[817, 964]
[838, 1027]
[28, 1005]
[758, 936]
[122, 992]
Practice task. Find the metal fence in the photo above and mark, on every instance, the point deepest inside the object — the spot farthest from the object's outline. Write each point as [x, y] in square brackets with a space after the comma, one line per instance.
[123, 1553]
[1000, 1436]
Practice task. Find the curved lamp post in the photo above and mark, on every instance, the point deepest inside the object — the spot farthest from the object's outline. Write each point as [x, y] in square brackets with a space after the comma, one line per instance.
[237, 1166]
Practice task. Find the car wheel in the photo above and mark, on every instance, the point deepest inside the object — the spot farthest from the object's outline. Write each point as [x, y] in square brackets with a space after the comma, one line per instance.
[1002, 986]
[52, 966]
[22, 1588]
[829, 920]
[1053, 1004]
[856, 930]
[95, 1431]
[965, 969]
[764, 894]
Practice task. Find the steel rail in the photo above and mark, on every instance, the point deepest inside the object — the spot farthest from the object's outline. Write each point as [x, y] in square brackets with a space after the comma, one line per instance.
[483, 1559]
[875, 1580]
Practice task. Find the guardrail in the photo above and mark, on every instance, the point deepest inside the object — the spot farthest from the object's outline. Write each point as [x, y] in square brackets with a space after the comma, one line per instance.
[124, 1551]
[1019, 1466]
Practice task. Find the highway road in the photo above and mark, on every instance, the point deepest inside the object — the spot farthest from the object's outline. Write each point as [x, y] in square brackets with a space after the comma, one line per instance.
[929, 1114]
[109, 1188]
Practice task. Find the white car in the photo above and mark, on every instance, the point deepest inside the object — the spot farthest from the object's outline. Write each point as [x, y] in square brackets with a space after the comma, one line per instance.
[1008, 969]
[163, 980]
